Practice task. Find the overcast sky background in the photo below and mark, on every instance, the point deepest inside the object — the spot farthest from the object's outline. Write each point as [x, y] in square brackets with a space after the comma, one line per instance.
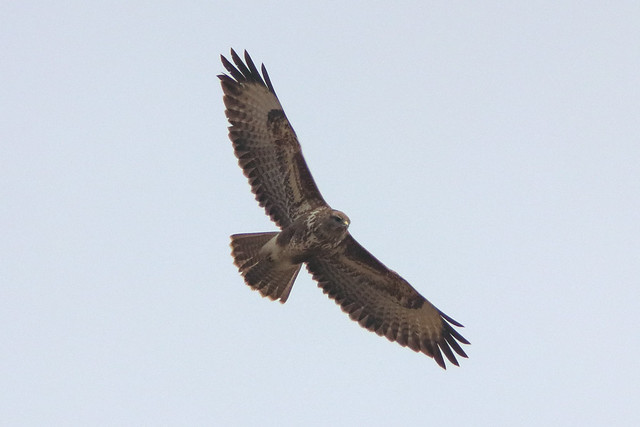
[489, 153]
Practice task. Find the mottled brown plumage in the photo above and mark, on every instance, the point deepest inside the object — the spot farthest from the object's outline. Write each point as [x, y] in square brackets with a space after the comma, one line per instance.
[312, 233]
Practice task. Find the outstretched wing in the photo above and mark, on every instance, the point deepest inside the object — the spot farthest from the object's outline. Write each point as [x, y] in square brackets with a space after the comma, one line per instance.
[265, 144]
[383, 302]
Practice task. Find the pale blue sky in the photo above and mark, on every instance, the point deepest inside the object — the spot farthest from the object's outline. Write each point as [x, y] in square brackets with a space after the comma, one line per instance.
[488, 153]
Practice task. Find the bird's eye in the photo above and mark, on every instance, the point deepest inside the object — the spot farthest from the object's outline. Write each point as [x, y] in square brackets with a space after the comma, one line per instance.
[336, 218]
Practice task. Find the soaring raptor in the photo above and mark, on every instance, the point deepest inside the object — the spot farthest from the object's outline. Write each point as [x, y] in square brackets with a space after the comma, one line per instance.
[313, 233]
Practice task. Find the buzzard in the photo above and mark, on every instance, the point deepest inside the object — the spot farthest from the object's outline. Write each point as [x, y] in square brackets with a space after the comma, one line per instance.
[311, 232]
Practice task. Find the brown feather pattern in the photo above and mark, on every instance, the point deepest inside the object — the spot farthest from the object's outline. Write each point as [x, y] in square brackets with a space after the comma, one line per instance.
[258, 270]
[385, 303]
[265, 144]
[269, 154]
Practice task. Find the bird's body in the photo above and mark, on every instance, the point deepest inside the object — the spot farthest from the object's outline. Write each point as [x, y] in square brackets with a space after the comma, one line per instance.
[273, 268]
[313, 233]
[319, 231]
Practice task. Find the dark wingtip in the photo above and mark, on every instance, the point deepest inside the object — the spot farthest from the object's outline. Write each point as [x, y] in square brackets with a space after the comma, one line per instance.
[235, 56]
[450, 320]
[439, 360]
[250, 64]
[454, 345]
[446, 349]
[267, 79]
[245, 70]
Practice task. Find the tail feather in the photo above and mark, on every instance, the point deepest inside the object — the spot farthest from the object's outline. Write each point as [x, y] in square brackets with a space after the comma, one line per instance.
[258, 269]
[245, 248]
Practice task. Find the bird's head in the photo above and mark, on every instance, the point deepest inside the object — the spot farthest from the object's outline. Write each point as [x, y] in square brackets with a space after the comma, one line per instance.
[337, 221]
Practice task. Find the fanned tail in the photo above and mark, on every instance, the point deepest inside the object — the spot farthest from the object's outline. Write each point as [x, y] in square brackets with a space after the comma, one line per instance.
[259, 271]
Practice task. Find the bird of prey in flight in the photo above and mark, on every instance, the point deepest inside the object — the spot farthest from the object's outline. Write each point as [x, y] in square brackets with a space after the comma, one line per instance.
[311, 232]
